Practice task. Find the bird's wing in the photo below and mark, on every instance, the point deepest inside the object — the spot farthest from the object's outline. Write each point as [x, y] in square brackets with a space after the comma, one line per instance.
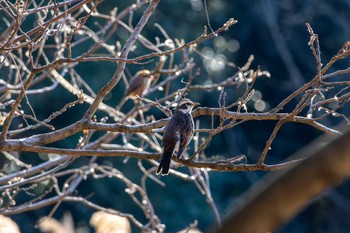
[134, 85]
[171, 139]
[186, 134]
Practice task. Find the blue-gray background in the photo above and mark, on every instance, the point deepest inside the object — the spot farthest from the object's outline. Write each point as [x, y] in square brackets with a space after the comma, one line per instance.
[275, 33]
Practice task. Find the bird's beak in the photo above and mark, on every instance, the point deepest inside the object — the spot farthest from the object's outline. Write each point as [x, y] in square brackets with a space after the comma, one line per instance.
[196, 104]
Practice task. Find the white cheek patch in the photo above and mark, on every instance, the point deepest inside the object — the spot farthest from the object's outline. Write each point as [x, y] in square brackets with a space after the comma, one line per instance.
[148, 83]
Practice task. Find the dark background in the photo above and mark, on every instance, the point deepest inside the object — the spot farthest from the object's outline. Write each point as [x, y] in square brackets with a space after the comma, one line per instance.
[275, 33]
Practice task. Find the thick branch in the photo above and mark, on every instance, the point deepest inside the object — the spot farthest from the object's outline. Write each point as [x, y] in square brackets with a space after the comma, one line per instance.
[14, 145]
[42, 139]
[284, 194]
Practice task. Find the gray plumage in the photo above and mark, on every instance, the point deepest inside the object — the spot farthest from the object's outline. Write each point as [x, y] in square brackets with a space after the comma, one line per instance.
[139, 84]
[177, 134]
[138, 87]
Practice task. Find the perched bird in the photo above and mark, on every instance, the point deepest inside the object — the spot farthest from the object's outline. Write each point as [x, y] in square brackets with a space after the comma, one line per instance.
[138, 86]
[177, 134]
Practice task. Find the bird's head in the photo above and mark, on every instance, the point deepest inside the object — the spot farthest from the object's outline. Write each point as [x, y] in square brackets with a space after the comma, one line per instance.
[186, 105]
[145, 74]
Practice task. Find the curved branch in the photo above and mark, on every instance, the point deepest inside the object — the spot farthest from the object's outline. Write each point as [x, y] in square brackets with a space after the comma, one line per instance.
[46, 138]
[213, 165]
[124, 54]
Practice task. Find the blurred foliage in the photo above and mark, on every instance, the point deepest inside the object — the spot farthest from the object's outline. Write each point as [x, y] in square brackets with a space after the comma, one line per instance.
[275, 33]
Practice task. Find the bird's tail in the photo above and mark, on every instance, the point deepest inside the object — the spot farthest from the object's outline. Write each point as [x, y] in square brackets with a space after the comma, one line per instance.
[164, 164]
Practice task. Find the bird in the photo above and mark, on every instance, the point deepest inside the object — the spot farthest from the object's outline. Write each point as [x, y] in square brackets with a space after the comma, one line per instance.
[177, 134]
[138, 86]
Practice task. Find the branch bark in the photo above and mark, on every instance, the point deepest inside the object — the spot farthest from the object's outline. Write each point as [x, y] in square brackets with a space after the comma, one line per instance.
[279, 197]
